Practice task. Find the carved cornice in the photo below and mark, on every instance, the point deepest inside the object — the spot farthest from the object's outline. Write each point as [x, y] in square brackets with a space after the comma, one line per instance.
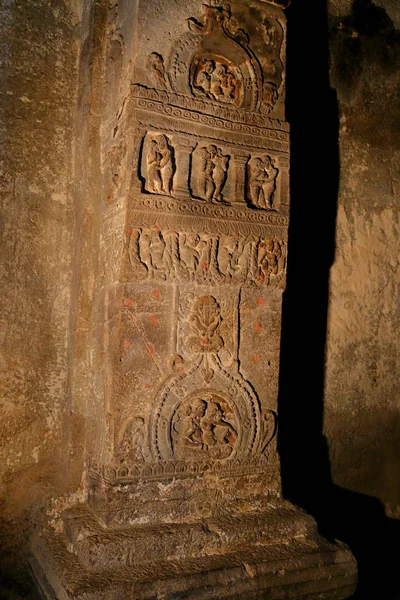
[205, 107]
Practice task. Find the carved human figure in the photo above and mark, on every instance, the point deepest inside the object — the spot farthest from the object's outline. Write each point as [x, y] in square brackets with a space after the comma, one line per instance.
[160, 165]
[213, 167]
[152, 252]
[216, 81]
[190, 251]
[132, 443]
[157, 67]
[186, 430]
[218, 434]
[262, 182]
[269, 254]
[219, 173]
[203, 79]
[154, 167]
[166, 163]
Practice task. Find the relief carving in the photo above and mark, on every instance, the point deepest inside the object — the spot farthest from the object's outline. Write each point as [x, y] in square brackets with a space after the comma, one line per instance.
[131, 445]
[210, 169]
[156, 63]
[216, 80]
[213, 60]
[262, 175]
[204, 258]
[204, 427]
[160, 165]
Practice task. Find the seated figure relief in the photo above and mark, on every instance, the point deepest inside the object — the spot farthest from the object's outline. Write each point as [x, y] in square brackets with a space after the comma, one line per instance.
[262, 182]
[216, 81]
[203, 429]
[160, 165]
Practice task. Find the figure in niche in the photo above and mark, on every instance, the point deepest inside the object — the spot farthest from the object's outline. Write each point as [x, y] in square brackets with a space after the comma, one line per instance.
[213, 171]
[216, 81]
[157, 67]
[160, 165]
[262, 182]
[154, 168]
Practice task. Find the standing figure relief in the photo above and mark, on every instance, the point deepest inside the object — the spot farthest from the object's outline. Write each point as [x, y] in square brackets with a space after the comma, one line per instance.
[204, 258]
[262, 182]
[160, 164]
[212, 173]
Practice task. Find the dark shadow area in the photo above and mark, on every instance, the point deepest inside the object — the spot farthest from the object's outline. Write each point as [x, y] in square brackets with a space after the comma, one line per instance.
[312, 112]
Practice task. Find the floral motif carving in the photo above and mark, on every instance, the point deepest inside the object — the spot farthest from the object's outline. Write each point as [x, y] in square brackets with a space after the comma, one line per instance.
[205, 320]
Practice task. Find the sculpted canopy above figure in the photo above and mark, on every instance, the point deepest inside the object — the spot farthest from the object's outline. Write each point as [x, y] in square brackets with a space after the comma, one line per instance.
[220, 61]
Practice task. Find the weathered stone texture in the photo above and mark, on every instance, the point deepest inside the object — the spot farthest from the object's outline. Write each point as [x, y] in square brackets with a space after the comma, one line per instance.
[38, 54]
[362, 410]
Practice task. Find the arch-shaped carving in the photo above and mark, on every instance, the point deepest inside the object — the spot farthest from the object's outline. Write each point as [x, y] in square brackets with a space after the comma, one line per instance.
[213, 61]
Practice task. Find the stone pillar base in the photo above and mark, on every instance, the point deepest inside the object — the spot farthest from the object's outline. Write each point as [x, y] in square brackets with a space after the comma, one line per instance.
[275, 553]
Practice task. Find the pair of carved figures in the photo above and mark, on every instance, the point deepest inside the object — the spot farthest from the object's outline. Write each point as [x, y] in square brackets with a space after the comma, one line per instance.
[213, 171]
[160, 165]
[201, 427]
[216, 81]
[262, 181]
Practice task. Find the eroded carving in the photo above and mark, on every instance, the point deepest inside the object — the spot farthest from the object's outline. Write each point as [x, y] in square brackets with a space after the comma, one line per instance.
[215, 80]
[262, 181]
[205, 258]
[156, 63]
[160, 165]
[222, 67]
[131, 444]
[203, 426]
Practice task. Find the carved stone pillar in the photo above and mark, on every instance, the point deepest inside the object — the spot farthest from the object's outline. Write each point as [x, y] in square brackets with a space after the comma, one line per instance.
[184, 495]
[183, 150]
[238, 165]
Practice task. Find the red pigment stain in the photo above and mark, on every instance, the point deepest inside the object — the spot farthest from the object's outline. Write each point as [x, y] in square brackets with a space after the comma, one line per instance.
[148, 386]
[235, 235]
[156, 294]
[150, 351]
[157, 227]
[260, 301]
[261, 278]
[127, 344]
[257, 327]
[129, 232]
[154, 320]
[128, 302]
[205, 265]
[256, 359]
